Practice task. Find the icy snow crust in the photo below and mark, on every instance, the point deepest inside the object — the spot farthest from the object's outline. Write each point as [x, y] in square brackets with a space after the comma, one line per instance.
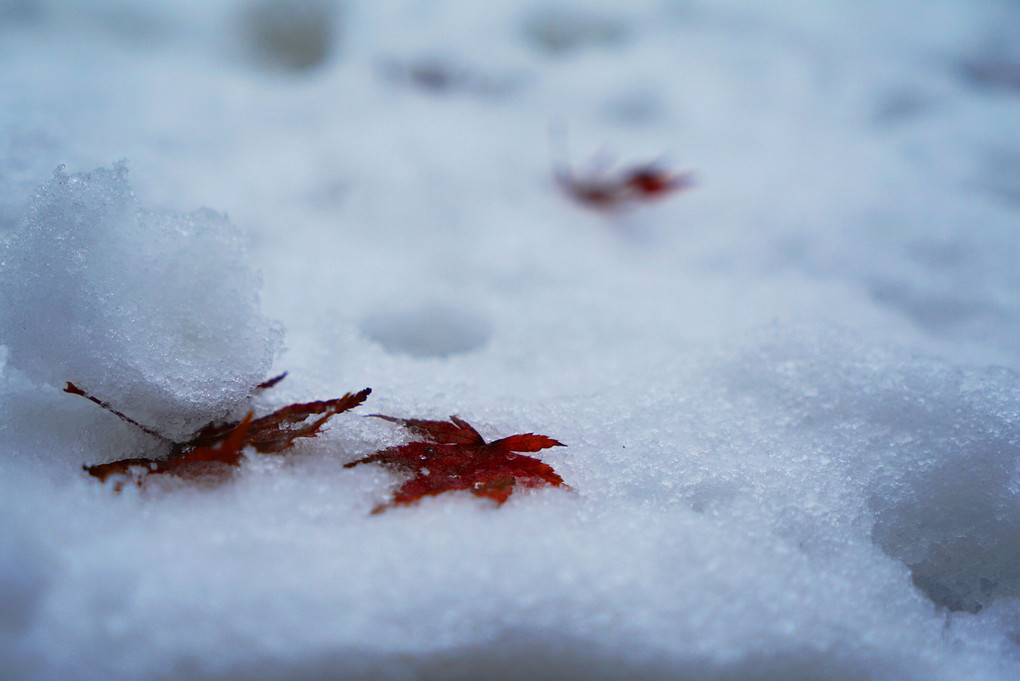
[790, 396]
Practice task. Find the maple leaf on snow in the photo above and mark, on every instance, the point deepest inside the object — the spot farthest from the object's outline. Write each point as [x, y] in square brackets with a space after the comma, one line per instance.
[452, 455]
[602, 188]
[610, 191]
[219, 446]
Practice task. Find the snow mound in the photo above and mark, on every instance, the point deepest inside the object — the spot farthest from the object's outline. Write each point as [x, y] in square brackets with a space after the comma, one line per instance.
[155, 313]
[929, 452]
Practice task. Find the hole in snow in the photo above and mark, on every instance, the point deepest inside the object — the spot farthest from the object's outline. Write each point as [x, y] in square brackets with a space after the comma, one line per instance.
[290, 35]
[429, 330]
[561, 29]
[992, 71]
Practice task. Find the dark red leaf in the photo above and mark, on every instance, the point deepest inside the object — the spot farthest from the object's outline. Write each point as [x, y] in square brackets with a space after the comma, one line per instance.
[264, 385]
[223, 444]
[610, 191]
[227, 451]
[182, 459]
[278, 430]
[452, 456]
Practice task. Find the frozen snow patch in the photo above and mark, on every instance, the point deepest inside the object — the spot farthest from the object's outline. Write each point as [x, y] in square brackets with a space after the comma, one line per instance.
[156, 313]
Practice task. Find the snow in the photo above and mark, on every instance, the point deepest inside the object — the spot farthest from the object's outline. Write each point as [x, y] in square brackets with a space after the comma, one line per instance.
[159, 312]
[789, 395]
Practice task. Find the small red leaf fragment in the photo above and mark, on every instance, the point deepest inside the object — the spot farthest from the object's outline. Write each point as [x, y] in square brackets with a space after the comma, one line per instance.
[264, 385]
[227, 451]
[650, 181]
[525, 443]
[453, 432]
[121, 467]
[278, 430]
[75, 390]
[609, 191]
[451, 456]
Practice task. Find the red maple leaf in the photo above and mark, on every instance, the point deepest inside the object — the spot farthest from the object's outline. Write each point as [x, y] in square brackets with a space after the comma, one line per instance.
[219, 447]
[451, 456]
[602, 188]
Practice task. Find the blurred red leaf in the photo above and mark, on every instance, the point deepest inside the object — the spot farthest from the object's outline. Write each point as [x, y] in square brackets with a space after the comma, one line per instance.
[609, 191]
[451, 455]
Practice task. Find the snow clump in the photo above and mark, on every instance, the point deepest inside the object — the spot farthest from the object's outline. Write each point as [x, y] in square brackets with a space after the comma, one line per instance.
[157, 314]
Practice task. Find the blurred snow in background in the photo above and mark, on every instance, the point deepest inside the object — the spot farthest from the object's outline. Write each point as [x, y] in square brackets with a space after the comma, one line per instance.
[789, 395]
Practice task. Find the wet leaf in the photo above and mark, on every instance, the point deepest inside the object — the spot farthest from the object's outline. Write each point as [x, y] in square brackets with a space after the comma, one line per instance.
[451, 455]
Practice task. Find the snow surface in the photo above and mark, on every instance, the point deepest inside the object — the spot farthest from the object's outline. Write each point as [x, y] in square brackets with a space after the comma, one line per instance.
[790, 396]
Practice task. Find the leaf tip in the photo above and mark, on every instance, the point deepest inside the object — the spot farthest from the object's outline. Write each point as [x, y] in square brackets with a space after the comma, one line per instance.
[271, 382]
